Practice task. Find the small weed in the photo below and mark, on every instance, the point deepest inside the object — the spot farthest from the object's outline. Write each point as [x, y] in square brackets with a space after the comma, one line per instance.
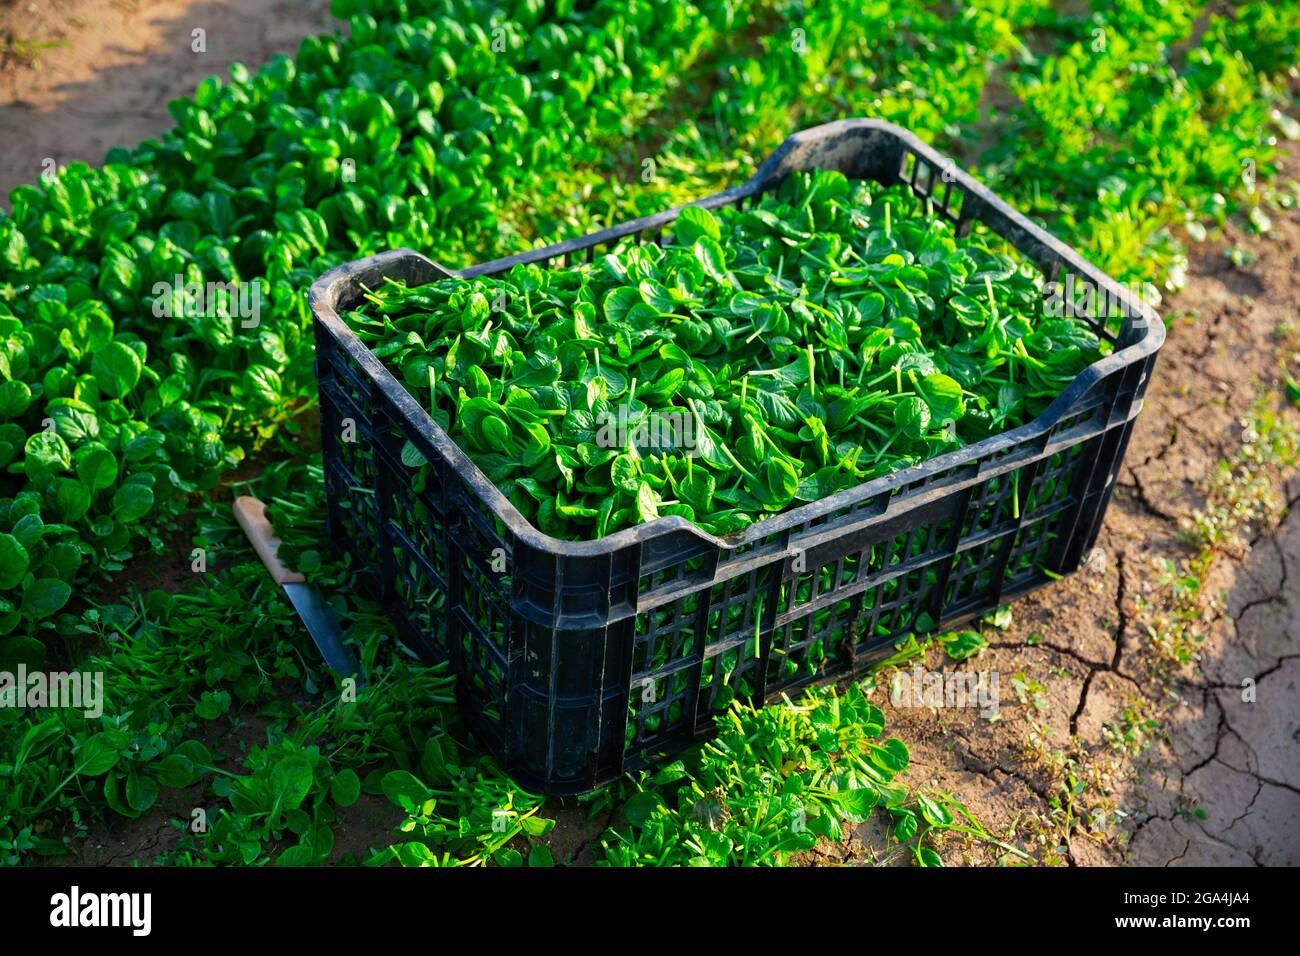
[1134, 731]
[1081, 794]
[1241, 494]
[21, 51]
[1239, 257]
[961, 645]
[1029, 691]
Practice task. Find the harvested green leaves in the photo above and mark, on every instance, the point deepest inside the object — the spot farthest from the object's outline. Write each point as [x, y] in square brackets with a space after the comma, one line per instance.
[761, 359]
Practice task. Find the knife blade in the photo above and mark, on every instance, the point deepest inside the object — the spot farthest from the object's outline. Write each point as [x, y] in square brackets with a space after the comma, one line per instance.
[316, 615]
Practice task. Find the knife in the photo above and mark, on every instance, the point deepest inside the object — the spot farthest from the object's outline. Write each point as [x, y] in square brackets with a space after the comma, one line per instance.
[321, 623]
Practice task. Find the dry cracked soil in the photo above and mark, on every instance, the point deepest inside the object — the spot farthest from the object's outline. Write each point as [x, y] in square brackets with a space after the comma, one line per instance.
[1190, 765]
[1103, 751]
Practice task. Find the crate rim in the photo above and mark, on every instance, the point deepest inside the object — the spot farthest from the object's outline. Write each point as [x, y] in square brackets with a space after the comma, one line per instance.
[322, 301]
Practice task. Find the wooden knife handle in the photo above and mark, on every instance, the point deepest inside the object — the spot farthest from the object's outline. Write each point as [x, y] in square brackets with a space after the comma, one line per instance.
[251, 515]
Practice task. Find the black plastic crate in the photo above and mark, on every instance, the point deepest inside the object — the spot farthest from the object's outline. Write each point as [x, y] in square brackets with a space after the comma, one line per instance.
[584, 660]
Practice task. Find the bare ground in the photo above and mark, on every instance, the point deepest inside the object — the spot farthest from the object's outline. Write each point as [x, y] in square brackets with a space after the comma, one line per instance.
[1218, 782]
[1105, 754]
[118, 64]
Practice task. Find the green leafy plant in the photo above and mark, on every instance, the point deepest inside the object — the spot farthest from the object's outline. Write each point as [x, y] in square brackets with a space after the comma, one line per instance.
[775, 783]
[831, 334]
[467, 132]
[962, 645]
[152, 331]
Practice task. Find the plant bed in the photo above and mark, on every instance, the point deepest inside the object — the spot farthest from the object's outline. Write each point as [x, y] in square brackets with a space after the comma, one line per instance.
[581, 659]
